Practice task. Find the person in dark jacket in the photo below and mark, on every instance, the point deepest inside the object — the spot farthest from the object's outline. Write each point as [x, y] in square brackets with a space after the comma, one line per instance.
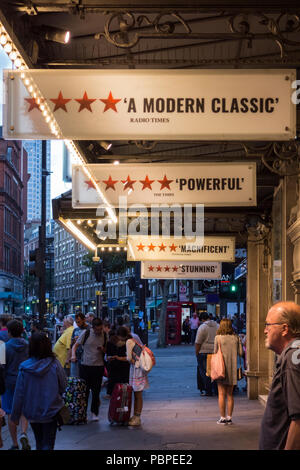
[16, 351]
[38, 394]
[117, 359]
[4, 319]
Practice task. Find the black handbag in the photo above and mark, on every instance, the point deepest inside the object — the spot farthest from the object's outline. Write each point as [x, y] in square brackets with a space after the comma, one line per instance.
[2, 381]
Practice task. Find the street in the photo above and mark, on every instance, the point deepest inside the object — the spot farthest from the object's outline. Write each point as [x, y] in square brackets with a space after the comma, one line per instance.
[175, 416]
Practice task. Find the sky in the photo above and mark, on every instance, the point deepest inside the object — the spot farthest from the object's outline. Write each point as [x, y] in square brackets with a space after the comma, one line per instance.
[58, 186]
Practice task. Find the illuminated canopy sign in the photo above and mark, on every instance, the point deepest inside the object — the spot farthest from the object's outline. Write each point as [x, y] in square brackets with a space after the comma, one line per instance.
[150, 105]
[175, 249]
[223, 184]
[180, 270]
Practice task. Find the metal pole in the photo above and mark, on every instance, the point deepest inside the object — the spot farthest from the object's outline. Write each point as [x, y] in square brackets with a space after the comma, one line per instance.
[42, 239]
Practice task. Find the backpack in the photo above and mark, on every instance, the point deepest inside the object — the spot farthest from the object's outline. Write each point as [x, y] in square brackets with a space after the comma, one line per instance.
[145, 356]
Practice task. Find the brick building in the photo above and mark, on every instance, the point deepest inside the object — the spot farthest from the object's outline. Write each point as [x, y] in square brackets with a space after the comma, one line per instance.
[13, 211]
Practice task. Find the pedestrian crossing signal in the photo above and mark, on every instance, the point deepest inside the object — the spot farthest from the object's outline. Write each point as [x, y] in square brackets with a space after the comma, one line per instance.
[233, 288]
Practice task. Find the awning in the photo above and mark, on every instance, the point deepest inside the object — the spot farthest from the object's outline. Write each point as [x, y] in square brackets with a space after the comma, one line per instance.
[152, 304]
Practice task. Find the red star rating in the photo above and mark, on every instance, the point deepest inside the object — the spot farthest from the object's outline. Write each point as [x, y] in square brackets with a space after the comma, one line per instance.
[60, 102]
[33, 104]
[110, 103]
[140, 247]
[128, 183]
[167, 269]
[158, 268]
[175, 269]
[165, 183]
[110, 183]
[151, 268]
[172, 247]
[151, 247]
[85, 102]
[91, 184]
[162, 247]
[146, 183]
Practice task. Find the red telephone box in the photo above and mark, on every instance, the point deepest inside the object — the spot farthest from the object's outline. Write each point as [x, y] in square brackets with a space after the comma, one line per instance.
[176, 313]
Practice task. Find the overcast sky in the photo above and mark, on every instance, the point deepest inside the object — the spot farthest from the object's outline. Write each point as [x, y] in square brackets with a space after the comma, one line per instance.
[58, 186]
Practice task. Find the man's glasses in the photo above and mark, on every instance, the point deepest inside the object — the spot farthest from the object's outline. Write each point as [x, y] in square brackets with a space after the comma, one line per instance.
[270, 324]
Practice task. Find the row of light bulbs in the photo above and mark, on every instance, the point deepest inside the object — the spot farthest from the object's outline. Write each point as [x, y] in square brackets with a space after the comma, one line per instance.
[18, 62]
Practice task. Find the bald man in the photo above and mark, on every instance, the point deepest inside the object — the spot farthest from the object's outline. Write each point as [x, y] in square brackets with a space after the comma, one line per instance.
[280, 428]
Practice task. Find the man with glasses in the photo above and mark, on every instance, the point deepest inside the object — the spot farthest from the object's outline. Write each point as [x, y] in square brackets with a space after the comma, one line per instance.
[91, 368]
[280, 428]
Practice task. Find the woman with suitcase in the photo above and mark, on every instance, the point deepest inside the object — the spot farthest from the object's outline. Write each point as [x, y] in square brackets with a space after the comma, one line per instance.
[138, 379]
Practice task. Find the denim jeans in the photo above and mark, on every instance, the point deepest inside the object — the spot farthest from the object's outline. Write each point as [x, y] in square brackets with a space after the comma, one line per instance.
[44, 434]
[209, 386]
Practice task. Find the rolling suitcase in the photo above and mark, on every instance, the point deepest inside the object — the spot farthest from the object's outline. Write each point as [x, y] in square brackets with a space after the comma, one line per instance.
[75, 400]
[120, 404]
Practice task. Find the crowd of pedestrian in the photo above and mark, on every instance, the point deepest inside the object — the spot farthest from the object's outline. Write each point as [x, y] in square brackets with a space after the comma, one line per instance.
[36, 373]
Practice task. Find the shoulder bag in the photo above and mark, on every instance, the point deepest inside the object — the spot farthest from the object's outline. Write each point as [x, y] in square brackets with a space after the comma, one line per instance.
[217, 365]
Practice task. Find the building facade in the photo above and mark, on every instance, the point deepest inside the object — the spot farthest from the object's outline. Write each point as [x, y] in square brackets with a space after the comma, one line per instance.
[13, 209]
[34, 151]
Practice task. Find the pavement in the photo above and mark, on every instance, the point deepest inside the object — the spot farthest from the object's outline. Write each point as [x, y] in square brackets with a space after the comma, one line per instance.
[175, 416]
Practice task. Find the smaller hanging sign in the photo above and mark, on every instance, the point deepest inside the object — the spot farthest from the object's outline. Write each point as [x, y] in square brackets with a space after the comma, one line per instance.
[145, 248]
[180, 270]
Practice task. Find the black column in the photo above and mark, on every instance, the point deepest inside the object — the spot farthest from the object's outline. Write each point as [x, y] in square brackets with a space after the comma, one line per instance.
[42, 239]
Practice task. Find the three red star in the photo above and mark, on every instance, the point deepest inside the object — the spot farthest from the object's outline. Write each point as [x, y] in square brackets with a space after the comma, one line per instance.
[85, 102]
[110, 183]
[146, 183]
[33, 104]
[60, 102]
[110, 103]
[165, 183]
[175, 268]
[128, 183]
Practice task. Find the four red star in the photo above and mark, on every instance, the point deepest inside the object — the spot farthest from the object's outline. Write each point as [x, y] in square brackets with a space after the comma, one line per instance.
[110, 103]
[165, 183]
[60, 102]
[146, 183]
[85, 102]
[33, 104]
[128, 183]
[110, 183]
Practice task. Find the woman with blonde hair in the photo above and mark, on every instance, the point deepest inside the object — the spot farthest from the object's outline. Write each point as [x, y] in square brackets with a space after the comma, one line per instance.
[231, 347]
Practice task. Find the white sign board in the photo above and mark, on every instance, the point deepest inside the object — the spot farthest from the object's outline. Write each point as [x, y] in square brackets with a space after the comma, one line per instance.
[151, 104]
[180, 270]
[174, 249]
[223, 184]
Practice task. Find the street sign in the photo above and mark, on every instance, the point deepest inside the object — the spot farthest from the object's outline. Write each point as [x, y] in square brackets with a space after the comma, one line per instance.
[223, 184]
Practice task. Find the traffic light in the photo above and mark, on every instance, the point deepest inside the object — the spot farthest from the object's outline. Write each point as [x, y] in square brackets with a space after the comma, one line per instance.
[27, 308]
[35, 263]
[233, 288]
